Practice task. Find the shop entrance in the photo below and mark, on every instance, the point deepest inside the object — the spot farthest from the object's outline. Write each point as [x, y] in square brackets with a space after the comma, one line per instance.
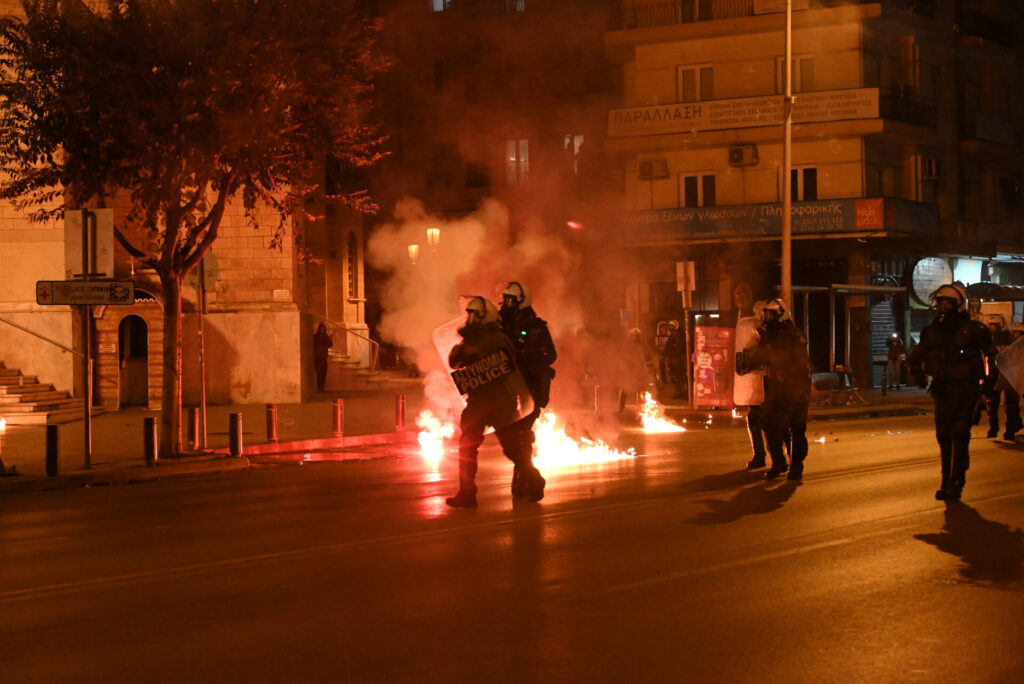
[133, 358]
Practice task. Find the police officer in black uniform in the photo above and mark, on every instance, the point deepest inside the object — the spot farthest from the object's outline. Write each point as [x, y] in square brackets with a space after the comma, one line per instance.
[535, 352]
[952, 351]
[996, 386]
[495, 390]
[782, 352]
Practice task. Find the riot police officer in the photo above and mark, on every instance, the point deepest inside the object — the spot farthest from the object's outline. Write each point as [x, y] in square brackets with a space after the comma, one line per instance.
[535, 352]
[782, 352]
[484, 369]
[996, 386]
[952, 351]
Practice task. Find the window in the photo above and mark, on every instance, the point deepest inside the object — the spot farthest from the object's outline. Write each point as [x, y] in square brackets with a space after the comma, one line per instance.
[513, 6]
[353, 266]
[571, 150]
[804, 181]
[697, 190]
[517, 161]
[440, 5]
[695, 83]
[803, 74]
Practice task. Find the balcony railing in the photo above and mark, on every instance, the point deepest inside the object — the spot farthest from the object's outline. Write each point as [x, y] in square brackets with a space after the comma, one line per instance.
[644, 13]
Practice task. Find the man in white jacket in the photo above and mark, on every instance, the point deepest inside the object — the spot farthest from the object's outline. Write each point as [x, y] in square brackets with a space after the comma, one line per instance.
[748, 389]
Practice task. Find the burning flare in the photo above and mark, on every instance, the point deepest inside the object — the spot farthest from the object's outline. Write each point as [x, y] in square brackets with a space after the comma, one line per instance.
[433, 433]
[555, 449]
[653, 418]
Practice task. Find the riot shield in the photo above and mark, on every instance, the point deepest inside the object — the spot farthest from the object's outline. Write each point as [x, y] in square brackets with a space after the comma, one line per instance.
[495, 377]
[1010, 363]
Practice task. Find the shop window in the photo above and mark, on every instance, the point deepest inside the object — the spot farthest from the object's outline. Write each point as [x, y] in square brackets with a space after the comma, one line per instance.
[697, 190]
[696, 83]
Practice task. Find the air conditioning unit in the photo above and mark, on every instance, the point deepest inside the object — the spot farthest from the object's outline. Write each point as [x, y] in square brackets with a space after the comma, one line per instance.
[742, 155]
[652, 169]
[931, 169]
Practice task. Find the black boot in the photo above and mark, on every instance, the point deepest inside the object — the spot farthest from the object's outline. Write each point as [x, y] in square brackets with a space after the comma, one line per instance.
[756, 463]
[464, 498]
[776, 470]
[518, 484]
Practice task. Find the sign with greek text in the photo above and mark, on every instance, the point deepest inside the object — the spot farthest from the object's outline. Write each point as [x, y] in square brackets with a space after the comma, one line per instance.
[479, 373]
[85, 292]
[747, 112]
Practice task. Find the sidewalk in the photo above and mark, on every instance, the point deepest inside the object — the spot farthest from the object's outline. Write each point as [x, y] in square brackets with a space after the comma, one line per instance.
[369, 431]
[118, 440]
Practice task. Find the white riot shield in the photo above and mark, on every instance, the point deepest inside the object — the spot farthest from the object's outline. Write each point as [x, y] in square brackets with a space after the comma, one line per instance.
[1010, 363]
[748, 390]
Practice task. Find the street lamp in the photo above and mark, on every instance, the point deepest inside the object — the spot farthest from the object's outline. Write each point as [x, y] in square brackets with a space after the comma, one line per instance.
[433, 238]
[414, 253]
[787, 166]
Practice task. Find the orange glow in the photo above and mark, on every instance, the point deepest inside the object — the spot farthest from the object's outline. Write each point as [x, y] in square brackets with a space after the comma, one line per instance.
[575, 225]
[736, 413]
[432, 435]
[3, 425]
[820, 440]
[653, 417]
[555, 449]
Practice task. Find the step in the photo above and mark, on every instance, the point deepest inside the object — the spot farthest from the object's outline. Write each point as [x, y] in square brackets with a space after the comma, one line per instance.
[34, 388]
[41, 395]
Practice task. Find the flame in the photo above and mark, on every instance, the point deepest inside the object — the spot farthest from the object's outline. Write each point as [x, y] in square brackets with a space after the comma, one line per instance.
[653, 418]
[736, 413]
[555, 449]
[3, 424]
[820, 440]
[433, 433]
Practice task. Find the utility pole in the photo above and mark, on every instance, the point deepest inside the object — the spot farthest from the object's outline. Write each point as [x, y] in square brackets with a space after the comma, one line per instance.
[787, 166]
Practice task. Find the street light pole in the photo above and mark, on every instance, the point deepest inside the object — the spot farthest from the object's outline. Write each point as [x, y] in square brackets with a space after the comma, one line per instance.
[787, 165]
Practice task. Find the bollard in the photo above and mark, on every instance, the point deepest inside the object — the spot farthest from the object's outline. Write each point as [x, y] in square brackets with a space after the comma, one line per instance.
[339, 417]
[149, 441]
[400, 413]
[272, 423]
[52, 449]
[193, 427]
[597, 398]
[885, 382]
[235, 434]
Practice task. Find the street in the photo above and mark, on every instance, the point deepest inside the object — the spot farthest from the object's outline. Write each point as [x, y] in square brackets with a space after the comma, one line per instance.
[675, 566]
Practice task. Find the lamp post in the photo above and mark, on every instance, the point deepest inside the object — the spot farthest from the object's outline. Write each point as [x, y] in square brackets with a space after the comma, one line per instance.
[433, 238]
[414, 253]
[786, 289]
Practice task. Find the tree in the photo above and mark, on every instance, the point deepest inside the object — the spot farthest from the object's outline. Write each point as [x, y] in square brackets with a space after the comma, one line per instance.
[182, 105]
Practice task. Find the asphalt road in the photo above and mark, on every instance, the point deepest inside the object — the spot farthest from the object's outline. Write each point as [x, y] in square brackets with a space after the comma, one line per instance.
[676, 566]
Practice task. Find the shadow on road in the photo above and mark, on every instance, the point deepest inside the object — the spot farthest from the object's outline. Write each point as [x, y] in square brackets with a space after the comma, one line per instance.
[755, 500]
[730, 480]
[991, 551]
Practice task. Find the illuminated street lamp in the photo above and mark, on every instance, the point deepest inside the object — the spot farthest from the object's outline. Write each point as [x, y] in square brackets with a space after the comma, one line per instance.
[433, 238]
[414, 253]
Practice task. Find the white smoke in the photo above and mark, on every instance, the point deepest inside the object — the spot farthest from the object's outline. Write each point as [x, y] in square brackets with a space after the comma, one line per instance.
[475, 255]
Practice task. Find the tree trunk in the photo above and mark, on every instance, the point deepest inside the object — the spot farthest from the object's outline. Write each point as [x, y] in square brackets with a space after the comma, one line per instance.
[170, 406]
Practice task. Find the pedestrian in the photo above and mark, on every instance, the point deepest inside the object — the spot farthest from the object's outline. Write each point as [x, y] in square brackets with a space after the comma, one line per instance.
[484, 369]
[675, 354]
[895, 349]
[322, 341]
[952, 351]
[997, 389]
[781, 351]
[748, 384]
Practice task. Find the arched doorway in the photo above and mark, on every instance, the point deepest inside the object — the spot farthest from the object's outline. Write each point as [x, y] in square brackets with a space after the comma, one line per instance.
[133, 358]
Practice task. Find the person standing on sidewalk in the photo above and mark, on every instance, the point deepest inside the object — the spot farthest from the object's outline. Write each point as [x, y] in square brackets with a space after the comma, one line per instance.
[484, 369]
[322, 341]
[894, 356]
[535, 352]
[952, 351]
[782, 352]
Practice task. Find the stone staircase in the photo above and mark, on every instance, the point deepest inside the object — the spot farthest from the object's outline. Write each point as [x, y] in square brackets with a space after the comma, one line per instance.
[346, 375]
[26, 401]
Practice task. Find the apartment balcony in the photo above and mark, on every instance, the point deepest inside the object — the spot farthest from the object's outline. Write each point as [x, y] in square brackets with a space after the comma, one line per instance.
[645, 13]
[903, 103]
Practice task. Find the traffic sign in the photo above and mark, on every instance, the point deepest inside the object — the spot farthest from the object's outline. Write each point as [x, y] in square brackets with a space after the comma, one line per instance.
[85, 292]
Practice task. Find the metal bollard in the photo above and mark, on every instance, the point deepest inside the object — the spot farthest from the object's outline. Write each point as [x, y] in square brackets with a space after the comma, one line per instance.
[52, 450]
[272, 423]
[400, 413]
[597, 398]
[149, 441]
[235, 434]
[193, 427]
[339, 417]
[885, 382]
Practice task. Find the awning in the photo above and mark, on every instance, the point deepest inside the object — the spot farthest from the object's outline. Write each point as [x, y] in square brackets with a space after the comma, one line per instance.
[996, 292]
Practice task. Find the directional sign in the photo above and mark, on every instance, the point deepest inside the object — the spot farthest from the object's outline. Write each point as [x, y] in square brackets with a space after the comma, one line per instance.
[85, 292]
